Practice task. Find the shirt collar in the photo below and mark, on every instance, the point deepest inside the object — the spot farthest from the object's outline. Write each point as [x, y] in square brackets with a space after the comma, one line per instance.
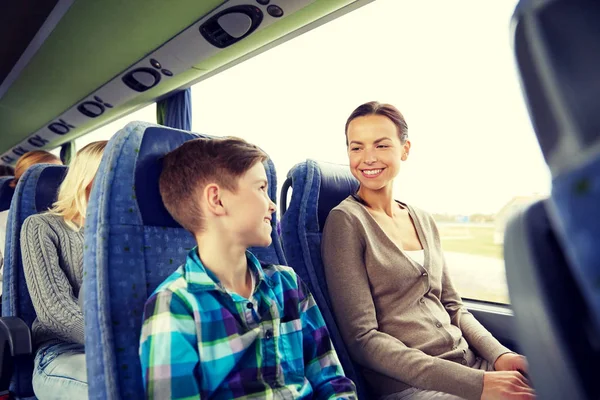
[201, 278]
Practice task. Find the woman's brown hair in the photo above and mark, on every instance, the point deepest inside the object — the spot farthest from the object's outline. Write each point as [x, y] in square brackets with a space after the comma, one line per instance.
[32, 158]
[386, 110]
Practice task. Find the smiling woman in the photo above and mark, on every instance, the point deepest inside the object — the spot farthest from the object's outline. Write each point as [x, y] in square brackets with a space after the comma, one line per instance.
[387, 275]
[377, 140]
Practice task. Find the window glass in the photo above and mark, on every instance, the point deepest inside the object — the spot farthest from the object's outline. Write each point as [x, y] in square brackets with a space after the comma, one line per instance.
[146, 114]
[449, 67]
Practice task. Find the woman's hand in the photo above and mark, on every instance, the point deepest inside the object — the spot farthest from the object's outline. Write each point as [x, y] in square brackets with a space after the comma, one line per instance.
[506, 385]
[512, 362]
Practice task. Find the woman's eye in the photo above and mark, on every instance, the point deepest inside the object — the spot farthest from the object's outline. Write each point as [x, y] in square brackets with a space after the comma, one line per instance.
[383, 146]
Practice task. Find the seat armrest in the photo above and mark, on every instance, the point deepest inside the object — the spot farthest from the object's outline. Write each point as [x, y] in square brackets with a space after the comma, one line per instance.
[15, 341]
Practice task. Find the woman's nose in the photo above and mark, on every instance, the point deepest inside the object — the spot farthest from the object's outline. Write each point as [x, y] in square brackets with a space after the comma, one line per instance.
[272, 206]
[370, 157]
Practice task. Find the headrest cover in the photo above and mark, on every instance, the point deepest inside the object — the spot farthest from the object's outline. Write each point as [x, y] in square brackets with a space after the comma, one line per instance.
[6, 192]
[46, 189]
[337, 183]
[157, 142]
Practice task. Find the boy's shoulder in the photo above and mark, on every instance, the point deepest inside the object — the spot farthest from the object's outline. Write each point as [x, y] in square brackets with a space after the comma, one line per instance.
[284, 277]
[174, 283]
[275, 271]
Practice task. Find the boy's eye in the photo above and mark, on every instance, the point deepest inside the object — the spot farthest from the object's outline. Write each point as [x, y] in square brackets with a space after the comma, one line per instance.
[354, 148]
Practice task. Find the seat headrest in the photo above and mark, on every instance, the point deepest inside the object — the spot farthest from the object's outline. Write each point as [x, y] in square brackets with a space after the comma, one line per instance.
[47, 184]
[5, 181]
[157, 142]
[337, 183]
[329, 183]
[557, 48]
[6, 192]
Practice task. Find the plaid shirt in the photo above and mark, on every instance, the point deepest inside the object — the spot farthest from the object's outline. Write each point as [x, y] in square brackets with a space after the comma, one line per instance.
[201, 341]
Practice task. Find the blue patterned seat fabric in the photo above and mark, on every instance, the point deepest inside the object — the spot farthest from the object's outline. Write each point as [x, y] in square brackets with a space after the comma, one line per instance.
[317, 187]
[35, 193]
[132, 244]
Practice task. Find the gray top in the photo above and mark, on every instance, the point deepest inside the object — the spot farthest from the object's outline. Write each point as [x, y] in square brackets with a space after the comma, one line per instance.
[53, 263]
[404, 322]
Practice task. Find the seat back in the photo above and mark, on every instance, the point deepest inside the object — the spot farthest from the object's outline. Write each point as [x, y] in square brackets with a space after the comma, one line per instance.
[35, 193]
[317, 187]
[550, 312]
[132, 245]
[6, 192]
[557, 46]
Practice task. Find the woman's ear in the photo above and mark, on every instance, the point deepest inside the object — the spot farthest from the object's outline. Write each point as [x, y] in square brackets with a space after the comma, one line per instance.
[405, 150]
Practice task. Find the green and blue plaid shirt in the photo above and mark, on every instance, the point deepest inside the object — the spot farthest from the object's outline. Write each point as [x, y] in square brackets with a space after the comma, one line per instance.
[200, 341]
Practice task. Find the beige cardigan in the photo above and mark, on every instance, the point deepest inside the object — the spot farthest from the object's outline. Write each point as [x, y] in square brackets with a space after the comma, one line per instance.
[403, 322]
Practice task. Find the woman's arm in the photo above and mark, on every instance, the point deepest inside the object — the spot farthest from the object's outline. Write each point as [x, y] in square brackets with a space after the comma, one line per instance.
[49, 288]
[475, 334]
[343, 248]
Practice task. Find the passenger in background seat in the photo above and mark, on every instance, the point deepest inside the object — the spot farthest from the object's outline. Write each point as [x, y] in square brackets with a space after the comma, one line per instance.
[26, 161]
[52, 250]
[398, 311]
[224, 326]
[33, 158]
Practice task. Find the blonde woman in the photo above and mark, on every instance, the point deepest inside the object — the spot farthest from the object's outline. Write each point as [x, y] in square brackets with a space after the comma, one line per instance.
[26, 161]
[52, 249]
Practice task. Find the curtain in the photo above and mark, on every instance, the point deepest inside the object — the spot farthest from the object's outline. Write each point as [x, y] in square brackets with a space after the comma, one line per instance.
[175, 111]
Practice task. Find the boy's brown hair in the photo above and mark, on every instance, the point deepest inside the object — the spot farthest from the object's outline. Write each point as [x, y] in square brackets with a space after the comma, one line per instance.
[196, 163]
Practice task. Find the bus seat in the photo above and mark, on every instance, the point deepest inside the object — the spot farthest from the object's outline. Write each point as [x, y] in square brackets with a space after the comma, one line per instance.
[317, 187]
[35, 193]
[557, 49]
[6, 192]
[132, 244]
[552, 317]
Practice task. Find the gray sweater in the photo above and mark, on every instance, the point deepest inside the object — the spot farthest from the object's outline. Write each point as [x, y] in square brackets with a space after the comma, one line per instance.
[405, 323]
[53, 263]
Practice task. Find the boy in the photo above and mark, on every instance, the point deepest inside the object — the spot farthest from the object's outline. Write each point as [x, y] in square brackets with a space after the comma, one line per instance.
[222, 326]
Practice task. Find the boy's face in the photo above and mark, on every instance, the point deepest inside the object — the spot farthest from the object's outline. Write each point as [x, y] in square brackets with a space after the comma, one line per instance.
[250, 209]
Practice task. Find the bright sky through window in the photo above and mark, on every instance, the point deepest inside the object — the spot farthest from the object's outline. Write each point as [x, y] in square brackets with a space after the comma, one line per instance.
[447, 65]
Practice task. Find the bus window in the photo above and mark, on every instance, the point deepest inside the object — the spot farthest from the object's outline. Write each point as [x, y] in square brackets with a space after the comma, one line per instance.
[474, 157]
[147, 114]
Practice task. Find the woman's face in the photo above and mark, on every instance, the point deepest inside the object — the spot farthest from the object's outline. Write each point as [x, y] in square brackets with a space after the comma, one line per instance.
[375, 151]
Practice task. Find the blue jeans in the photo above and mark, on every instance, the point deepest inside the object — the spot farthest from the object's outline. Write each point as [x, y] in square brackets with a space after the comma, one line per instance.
[60, 372]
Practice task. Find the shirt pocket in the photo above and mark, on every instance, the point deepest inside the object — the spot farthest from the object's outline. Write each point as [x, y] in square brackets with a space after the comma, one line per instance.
[291, 349]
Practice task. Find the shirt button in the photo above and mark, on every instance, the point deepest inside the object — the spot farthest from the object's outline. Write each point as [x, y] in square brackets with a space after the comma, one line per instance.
[422, 301]
[268, 334]
[249, 306]
[454, 347]
[438, 325]
[464, 362]
[424, 274]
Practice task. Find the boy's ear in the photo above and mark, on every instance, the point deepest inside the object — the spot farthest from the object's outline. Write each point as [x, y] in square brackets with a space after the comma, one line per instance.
[212, 198]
